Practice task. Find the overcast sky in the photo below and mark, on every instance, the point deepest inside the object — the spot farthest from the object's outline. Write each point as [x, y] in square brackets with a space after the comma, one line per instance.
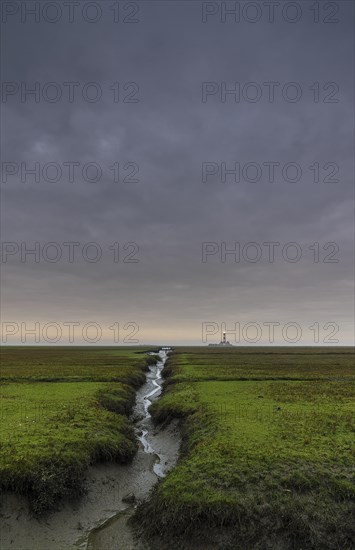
[160, 124]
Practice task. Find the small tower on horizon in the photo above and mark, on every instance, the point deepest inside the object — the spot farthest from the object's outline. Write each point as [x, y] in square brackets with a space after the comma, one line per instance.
[224, 342]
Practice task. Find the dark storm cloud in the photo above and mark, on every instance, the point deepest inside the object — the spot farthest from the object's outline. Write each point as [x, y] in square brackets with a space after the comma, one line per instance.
[169, 134]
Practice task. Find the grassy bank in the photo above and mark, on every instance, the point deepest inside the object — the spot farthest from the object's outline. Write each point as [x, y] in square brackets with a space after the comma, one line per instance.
[63, 409]
[267, 455]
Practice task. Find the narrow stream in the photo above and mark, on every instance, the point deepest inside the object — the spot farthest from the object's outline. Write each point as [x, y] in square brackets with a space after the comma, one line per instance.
[145, 426]
[160, 451]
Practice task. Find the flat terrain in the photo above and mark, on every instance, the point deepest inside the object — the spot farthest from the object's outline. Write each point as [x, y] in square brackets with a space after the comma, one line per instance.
[268, 450]
[61, 410]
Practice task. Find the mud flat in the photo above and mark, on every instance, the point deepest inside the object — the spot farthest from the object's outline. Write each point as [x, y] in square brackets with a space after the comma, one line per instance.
[98, 520]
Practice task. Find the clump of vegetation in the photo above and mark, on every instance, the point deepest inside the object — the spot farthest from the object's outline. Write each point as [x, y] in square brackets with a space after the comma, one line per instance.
[52, 431]
[265, 463]
[153, 358]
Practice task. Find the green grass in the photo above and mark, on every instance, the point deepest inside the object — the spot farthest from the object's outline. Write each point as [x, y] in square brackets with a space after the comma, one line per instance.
[260, 364]
[52, 430]
[265, 463]
[72, 364]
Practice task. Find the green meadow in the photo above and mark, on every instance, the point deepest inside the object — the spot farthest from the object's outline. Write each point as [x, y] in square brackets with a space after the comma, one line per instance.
[63, 409]
[267, 454]
[268, 449]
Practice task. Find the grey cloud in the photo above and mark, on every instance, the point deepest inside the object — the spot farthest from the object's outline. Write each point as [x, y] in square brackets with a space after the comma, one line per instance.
[169, 134]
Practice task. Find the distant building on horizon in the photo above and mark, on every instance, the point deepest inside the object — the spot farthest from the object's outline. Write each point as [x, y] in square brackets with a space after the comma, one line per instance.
[223, 343]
